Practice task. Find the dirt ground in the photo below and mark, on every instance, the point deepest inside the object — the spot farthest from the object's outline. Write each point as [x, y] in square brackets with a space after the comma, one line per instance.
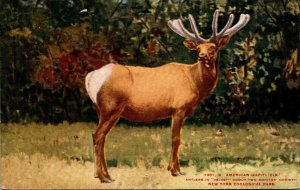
[42, 172]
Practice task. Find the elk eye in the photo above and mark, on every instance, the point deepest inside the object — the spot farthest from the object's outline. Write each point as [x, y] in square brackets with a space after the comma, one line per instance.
[212, 49]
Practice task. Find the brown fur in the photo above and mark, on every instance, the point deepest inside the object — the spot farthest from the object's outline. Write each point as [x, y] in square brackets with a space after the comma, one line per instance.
[147, 94]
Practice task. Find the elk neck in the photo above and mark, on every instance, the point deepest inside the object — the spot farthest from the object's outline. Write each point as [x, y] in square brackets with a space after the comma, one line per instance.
[205, 78]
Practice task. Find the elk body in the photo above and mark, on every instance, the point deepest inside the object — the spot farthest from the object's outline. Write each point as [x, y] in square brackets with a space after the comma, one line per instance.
[144, 94]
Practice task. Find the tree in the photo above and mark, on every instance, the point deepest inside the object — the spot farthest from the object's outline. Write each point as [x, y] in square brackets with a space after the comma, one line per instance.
[48, 46]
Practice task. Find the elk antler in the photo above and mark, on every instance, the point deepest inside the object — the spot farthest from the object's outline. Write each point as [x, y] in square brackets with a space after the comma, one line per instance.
[177, 26]
[227, 31]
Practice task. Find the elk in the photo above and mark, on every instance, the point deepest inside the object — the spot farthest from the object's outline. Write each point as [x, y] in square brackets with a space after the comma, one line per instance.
[142, 94]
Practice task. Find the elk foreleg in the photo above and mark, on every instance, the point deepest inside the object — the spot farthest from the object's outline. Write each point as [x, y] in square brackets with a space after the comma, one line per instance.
[177, 122]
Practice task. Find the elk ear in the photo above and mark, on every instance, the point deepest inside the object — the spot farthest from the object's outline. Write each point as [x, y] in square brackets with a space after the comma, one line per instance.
[224, 40]
[190, 44]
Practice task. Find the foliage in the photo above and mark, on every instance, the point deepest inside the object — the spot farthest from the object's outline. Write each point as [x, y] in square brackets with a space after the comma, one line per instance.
[73, 53]
[48, 46]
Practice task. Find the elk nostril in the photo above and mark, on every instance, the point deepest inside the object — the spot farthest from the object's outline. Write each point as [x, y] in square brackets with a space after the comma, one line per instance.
[203, 56]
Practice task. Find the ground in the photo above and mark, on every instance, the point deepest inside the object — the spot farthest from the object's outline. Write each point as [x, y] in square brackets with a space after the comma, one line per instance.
[39, 156]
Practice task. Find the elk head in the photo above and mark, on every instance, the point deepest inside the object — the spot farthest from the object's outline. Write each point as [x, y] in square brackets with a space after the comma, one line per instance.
[208, 48]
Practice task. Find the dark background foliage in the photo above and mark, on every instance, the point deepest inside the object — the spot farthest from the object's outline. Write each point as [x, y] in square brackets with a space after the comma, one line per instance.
[48, 46]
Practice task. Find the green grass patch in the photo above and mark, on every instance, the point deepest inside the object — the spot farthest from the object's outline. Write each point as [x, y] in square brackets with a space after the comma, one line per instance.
[253, 144]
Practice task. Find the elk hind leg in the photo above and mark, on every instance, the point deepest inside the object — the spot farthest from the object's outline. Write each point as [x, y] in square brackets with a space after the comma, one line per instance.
[114, 119]
[107, 122]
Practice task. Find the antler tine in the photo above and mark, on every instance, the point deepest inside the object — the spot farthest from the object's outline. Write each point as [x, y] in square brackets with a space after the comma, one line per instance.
[215, 24]
[178, 27]
[244, 19]
[195, 30]
[228, 25]
[175, 27]
[185, 31]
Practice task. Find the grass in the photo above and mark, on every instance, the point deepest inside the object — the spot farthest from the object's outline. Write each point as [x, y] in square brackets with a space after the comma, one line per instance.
[135, 146]
[61, 156]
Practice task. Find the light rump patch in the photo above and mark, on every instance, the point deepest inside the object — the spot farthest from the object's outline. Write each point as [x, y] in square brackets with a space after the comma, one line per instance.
[95, 80]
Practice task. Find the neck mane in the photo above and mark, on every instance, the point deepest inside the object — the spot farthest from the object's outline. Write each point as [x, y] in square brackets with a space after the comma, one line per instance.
[205, 78]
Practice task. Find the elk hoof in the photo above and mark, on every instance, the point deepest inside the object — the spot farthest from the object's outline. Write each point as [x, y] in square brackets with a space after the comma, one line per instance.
[178, 174]
[112, 180]
[182, 173]
[106, 180]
